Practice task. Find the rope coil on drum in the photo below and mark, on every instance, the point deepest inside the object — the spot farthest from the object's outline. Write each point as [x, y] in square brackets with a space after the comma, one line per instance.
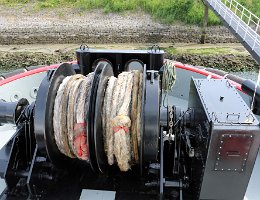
[121, 117]
[69, 116]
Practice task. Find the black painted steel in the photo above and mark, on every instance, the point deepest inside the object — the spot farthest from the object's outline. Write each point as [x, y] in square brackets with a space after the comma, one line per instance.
[106, 72]
[90, 114]
[44, 106]
[161, 163]
[249, 87]
[11, 111]
[233, 139]
[151, 120]
[118, 58]
[141, 150]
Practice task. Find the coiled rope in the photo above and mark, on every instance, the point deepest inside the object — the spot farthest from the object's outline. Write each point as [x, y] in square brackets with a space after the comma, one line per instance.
[169, 75]
[121, 119]
[69, 116]
[169, 78]
[121, 116]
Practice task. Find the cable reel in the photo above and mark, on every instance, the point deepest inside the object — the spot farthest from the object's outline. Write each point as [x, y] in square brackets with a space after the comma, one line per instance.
[44, 110]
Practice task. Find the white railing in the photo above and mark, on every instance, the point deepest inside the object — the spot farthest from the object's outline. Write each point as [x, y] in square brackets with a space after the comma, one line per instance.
[244, 19]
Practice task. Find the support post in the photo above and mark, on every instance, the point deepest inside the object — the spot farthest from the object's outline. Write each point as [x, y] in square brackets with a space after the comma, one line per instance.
[205, 24]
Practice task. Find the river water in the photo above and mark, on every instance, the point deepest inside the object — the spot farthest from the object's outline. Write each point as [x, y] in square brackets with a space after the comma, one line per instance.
[247, 75]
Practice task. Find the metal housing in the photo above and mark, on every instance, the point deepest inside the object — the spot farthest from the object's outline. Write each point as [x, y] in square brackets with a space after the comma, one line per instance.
[234, 138]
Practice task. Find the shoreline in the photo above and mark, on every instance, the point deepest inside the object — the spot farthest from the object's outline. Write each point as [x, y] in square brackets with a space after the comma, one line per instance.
[21, 26]
[227, 57]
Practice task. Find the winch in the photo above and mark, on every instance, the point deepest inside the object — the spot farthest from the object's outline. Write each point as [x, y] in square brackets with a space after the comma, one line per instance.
[104, 123]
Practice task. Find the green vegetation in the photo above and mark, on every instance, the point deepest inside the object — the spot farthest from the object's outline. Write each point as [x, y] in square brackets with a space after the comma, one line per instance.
[204, 51]
[167, 11]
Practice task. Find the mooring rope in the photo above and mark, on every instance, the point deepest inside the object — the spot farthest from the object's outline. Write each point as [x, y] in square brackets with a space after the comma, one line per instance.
[121, 124]
[169, 75]
[134, 113]
[122, 120]
[121, 116]
[107, 130]
[57, 116]
[80, 136]
[169, 78]
[69, 116]
[71, 101]
[139, 108]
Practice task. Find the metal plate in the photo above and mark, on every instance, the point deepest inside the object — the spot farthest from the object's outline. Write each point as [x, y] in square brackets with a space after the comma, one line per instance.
[107, 71]
[217, 97]
[90, 114]
[141, 150]
[94, 120]
[151, 118]
[232, 152]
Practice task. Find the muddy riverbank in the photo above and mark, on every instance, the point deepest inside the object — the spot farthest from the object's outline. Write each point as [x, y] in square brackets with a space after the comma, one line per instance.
[228, 57]
[27, 26]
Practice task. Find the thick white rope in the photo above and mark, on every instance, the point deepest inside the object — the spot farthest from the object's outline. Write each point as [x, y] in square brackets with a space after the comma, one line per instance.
[65, 132]
[80, 137]
[108, 135]
[122, 100]
[69, 116]
[57, 116]
[134, 118]
[139, 108]
[121, 124]
[72, 97]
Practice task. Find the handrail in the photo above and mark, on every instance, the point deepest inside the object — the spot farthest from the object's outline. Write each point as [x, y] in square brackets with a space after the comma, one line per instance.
[243, 18]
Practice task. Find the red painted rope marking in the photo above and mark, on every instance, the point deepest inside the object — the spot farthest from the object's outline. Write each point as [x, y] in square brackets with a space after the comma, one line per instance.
[80, 141]
[118, 128]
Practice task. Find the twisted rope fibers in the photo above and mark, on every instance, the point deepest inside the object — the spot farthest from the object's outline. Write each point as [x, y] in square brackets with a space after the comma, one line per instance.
[69, 116]
[120, 118]
[122, 102]
[169, 78]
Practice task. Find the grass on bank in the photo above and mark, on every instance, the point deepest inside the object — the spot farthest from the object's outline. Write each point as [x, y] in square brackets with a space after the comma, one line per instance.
[167, 11]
